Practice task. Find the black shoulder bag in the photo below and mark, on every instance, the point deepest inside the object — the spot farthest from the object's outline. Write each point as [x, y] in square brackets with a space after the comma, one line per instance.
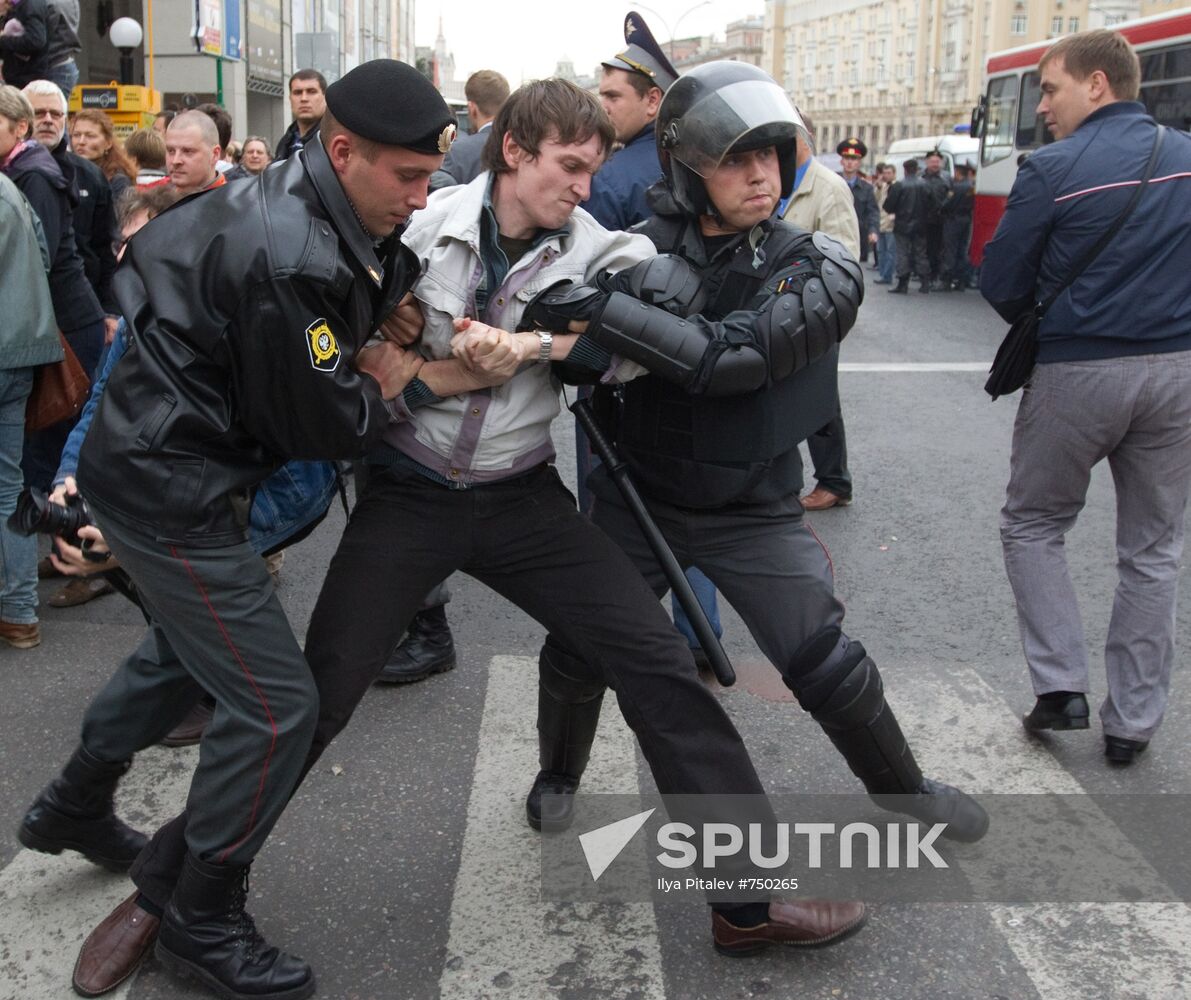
[1019, 350]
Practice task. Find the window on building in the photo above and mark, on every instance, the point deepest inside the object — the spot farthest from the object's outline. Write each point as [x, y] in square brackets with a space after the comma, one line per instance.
[1018, 24]
[1056, 25]
[1073, 25]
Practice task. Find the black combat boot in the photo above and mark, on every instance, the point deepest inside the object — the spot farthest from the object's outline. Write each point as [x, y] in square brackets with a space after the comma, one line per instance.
[428, 648]
[568, 714]
[75, 813]
[206, 934]
[845, 695]
[924, 286]
[902, 287]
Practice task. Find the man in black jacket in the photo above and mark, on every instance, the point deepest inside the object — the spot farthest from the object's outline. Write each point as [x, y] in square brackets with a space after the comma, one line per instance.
[711, 438]
[852, 152]
[247, 347]
[308, 102]
[24, 40]
[938, 186]
[907, 202]
[94, 218]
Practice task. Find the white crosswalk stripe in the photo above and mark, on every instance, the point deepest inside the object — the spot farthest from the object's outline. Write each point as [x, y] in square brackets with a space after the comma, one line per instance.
[502, 939]
[964, 732]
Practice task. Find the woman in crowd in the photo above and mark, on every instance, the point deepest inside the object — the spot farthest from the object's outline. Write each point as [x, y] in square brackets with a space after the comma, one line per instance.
[92, 136]
[146, 148]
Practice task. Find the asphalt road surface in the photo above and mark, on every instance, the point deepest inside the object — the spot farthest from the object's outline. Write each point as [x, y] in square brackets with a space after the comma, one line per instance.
[404, 868]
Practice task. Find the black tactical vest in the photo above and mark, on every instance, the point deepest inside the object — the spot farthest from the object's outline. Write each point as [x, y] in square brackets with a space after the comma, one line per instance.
[700, 451]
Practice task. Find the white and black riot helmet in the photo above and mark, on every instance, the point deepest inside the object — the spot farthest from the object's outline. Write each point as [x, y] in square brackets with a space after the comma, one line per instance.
[718, 108]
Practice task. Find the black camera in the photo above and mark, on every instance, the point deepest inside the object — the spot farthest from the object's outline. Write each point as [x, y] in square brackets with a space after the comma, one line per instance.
[37, 514]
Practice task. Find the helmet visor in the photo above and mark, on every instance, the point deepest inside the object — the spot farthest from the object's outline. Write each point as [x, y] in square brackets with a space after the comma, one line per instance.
[747, 115]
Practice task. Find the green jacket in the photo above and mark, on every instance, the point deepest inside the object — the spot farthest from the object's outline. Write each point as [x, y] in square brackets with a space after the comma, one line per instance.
[28, 333]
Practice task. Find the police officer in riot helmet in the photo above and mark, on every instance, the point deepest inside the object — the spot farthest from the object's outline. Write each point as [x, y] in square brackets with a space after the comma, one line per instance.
[711, 435]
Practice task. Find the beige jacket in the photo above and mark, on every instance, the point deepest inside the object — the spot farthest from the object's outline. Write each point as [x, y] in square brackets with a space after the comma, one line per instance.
[823, 203]
[882, 192]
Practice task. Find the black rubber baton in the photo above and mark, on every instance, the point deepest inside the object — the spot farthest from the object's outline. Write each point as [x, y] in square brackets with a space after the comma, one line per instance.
[657, 541]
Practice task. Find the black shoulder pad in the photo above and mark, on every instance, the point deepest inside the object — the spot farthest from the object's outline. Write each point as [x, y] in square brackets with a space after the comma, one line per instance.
[838, 255]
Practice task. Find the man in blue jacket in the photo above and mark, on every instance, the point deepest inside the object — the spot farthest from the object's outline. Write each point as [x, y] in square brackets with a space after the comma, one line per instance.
[631, 90]
[1113, 380]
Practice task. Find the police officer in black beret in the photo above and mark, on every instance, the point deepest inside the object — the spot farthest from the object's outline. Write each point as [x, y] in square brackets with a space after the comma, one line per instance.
[248, 346]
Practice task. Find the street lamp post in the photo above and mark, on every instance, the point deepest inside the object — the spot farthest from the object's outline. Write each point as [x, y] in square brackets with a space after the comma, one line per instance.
[126, 35]
[666, 24]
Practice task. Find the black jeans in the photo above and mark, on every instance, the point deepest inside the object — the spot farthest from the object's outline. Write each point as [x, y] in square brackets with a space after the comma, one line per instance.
[526, 540]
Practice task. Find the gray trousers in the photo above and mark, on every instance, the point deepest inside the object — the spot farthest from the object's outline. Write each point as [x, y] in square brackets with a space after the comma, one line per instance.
[911, 255]
[224, 631]
[764, 559]
[1135, 412]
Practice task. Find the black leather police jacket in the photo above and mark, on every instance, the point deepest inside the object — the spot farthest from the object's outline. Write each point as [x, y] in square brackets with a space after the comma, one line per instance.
[246, 305]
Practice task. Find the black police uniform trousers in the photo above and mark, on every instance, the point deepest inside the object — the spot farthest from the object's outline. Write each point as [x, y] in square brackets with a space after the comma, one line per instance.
[217, 626]
[526, 540]
[764, 558]
[828, 448]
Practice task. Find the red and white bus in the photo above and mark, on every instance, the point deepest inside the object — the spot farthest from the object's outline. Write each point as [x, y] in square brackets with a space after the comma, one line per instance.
[1009, 128]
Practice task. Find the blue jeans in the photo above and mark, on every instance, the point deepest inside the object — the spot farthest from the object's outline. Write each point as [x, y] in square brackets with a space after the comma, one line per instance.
[65, 75]
[886, 256]
[18, 555]
[705, 591]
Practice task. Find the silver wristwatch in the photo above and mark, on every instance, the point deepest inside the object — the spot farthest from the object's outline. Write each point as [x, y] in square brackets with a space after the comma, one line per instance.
[545, 346]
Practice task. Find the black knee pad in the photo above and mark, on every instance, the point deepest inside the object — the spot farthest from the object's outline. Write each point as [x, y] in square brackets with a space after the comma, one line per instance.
[820, 665]
[565, 677]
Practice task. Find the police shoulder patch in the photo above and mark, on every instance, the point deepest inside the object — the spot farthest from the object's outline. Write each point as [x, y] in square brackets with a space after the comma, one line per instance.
[324, 349]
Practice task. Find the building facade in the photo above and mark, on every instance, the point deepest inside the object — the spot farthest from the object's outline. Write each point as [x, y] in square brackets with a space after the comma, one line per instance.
[893, 69]
[249, 48]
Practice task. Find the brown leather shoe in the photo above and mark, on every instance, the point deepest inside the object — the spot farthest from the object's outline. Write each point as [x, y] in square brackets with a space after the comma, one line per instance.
[20, 636]
[114, 949]
[190, 730]
[821, 498]
[79, 591]
[803, 923]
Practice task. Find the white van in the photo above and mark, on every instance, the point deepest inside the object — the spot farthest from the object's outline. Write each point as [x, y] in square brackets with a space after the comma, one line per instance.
[955, 149]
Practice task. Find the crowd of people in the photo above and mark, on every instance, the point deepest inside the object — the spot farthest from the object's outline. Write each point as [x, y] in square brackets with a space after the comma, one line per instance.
[309, 306]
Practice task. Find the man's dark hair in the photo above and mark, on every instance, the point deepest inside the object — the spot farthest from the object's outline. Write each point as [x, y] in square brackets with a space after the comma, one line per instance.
[487, 90]
[307, 74]
[1103, 50]
[640, 83]
[546, 109]
[808, 122]
[222, 120]
[935, 152]
[910, 166]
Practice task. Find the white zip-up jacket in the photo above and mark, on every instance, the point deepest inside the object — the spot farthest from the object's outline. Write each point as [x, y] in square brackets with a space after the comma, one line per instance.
[491, 434]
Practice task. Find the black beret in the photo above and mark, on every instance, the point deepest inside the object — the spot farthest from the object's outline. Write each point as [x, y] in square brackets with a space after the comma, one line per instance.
[390, 102]
[852, 147]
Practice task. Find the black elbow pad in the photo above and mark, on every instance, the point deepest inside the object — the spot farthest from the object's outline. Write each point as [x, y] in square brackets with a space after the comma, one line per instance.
[666, 345]
[667, 281]
[555, 307]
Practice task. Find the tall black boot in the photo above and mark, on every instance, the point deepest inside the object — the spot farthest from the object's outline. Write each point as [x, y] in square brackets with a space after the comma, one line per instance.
[902, 287]
[568, 714]
[428, 648]
[75, 813]
[845, 695]
[206, 934]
